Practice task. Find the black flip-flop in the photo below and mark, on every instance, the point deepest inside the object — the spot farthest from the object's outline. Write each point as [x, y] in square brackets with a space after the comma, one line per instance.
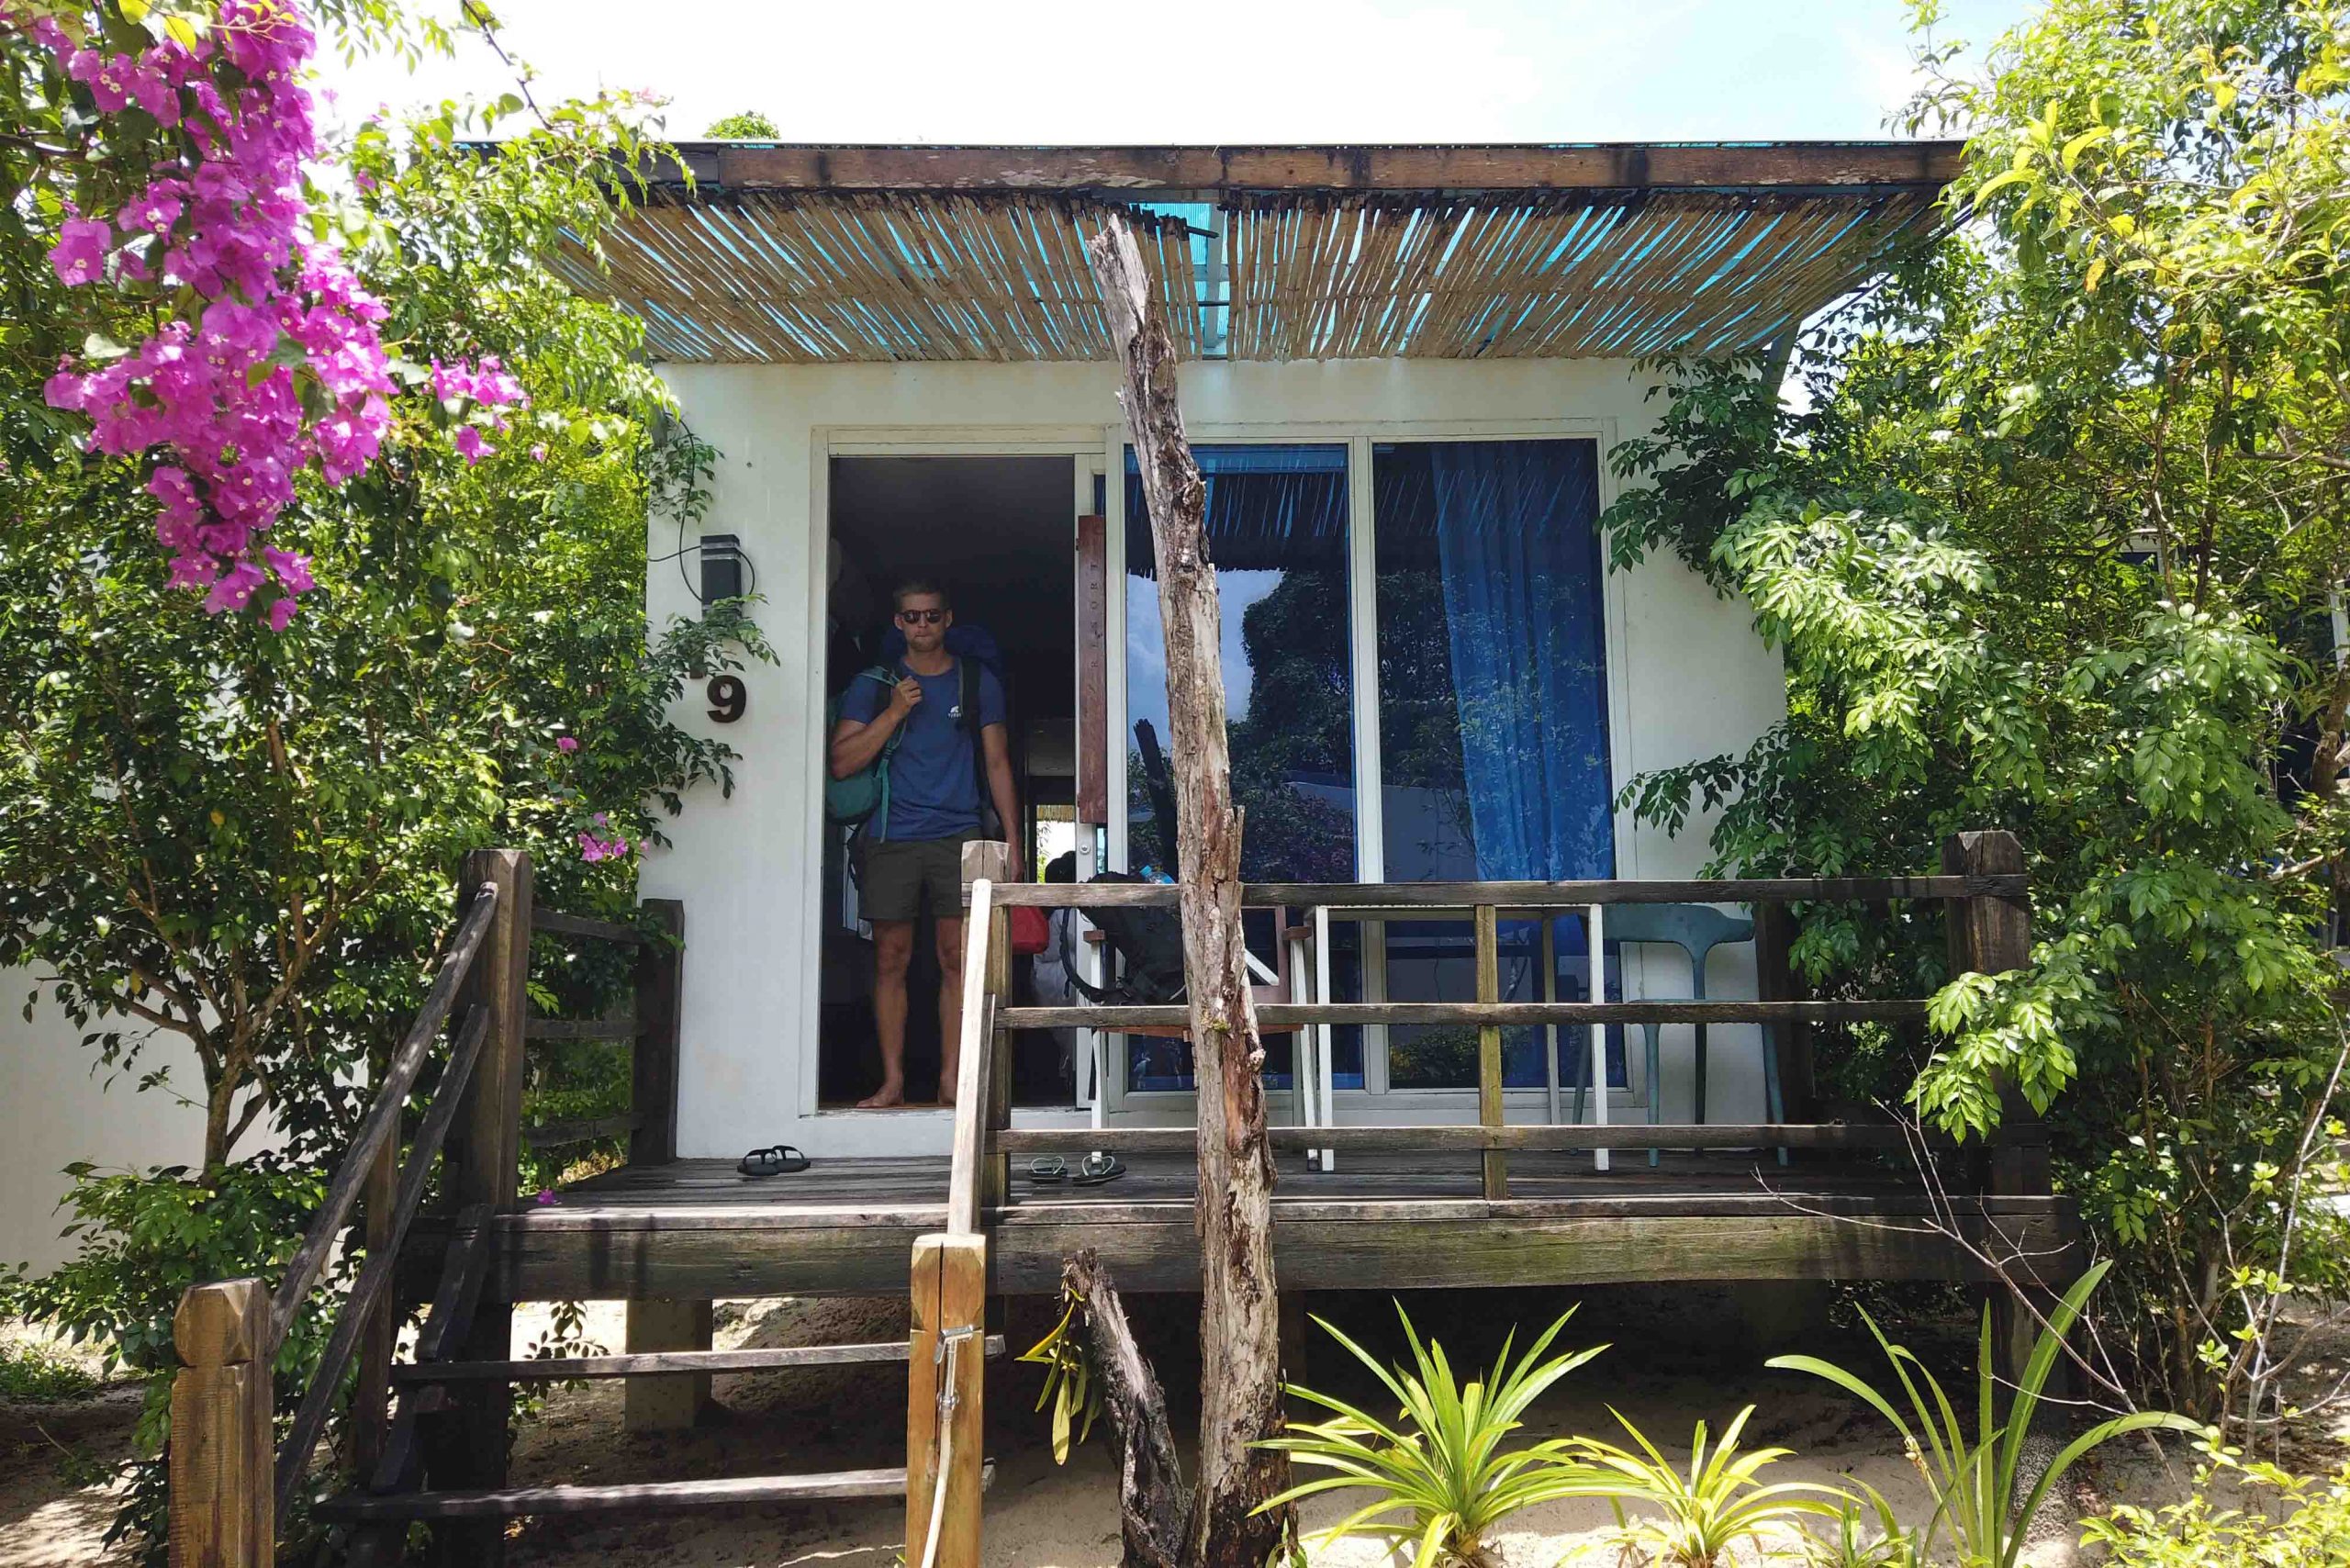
[1048, 1168]
[779, 1160]
[1097, 1168]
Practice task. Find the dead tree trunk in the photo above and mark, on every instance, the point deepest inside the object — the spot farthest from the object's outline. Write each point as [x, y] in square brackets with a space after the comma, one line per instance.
[1152, 1506]
[1239, 1321]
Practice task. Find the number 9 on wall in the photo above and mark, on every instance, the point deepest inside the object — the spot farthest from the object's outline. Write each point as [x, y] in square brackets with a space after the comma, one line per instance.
[728, 697]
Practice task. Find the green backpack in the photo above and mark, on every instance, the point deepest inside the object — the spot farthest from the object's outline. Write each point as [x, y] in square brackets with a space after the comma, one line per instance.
[864, 794]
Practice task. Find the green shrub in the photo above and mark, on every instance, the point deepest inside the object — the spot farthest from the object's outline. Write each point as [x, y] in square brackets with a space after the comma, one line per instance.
[35, 1374]
[1438, 1478]
[2299, 1521]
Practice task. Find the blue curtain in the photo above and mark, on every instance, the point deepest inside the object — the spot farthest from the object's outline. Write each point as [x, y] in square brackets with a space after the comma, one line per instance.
[1517, 547]
[1518, 542]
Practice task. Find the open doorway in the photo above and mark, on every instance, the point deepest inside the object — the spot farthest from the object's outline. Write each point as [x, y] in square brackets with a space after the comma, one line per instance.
[996, 533]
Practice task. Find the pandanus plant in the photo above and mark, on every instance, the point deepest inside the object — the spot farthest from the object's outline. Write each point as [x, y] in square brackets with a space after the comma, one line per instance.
[1975, 1478]
[1702, 1513]
[1440, 1478]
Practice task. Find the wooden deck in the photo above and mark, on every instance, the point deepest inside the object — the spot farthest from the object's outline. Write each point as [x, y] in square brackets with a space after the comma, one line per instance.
[694, 1229]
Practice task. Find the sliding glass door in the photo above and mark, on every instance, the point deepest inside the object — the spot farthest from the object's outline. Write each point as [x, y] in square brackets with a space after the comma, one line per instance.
[1493, 723]
[1482, 752]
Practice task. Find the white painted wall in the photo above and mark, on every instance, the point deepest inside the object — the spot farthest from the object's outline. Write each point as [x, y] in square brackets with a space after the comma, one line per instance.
[63, 1107]
[1694, 679]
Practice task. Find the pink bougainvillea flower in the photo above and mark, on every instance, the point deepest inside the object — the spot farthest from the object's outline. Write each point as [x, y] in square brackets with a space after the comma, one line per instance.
[80, 253]
[292, 570]
[594, 845]
[539, 453]
[546, 1196]
[222, 218]
[470, 445]
[566, 742]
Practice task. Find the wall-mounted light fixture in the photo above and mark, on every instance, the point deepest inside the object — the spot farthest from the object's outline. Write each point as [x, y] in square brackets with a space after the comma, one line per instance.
[722, 567]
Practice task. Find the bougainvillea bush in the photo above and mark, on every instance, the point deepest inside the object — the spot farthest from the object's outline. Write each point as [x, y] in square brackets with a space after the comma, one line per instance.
[323, 528]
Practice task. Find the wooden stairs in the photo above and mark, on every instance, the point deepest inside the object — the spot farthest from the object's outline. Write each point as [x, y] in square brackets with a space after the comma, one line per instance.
[395, 1497]
[438, 1385]
[427, 1442]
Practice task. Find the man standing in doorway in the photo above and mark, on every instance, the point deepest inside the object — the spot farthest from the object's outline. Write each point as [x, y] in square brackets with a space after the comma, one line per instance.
[935, 808]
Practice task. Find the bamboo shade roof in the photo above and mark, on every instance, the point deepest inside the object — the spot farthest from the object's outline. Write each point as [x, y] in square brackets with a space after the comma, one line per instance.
[803, 255]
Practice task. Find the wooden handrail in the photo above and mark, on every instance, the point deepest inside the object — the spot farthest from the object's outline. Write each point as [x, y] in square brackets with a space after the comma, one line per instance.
[1471, 1138]
[382, 1118]
[1285, 1014]
[972, 1066]
[1513, 897]
[554, 922]
[375, 1275]
[230, 1479]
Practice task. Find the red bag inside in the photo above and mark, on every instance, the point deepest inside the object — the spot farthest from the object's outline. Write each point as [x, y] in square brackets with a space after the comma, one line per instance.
[1031, 930]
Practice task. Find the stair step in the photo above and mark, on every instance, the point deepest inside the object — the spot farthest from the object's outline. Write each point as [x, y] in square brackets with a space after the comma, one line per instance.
[553, 1369]
[644, 1497]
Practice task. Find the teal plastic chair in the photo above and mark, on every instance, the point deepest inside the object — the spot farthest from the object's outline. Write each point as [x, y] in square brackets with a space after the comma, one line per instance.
[1696, 929]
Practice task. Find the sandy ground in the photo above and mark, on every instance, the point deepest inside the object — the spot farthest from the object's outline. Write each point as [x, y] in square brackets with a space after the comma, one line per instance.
[1675, 1358]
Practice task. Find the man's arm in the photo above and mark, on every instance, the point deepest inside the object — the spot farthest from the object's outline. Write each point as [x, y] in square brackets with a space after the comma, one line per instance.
[856, 743]
[997, 744]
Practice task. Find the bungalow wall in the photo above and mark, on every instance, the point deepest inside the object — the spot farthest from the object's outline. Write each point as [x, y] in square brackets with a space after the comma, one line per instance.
[1690, 678]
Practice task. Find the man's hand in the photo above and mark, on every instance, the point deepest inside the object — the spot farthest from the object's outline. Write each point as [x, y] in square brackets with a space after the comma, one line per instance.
[906, 697]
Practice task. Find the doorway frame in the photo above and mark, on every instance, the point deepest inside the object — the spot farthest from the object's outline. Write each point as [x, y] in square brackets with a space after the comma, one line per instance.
[1082, 444]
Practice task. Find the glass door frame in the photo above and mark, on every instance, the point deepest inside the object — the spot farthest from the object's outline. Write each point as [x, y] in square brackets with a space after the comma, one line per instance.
[1360, 437]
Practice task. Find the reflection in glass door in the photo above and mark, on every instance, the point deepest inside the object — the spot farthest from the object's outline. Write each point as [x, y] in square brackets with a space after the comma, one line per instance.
[1277, 530]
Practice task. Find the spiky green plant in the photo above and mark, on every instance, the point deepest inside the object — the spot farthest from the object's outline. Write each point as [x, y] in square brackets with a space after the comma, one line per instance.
[1974, 1481]
[1438, 1476]
[1849, 1545]
[1703, 1512]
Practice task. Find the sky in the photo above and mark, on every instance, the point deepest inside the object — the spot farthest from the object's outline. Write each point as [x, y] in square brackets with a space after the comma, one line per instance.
[1214, 70]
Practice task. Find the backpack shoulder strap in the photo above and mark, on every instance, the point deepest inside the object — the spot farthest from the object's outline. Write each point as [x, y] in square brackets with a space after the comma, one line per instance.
[968, 670]
[1085, 988]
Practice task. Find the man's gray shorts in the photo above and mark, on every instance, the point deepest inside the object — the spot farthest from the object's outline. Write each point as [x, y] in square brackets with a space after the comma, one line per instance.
[894, 876]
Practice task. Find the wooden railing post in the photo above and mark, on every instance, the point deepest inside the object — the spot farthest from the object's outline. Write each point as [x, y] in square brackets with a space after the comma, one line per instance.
[468, 1448]
[1489, 1047]
[945, 1434]
[222, 1453]
[1991, 934]
[992, 862]
[660, 974]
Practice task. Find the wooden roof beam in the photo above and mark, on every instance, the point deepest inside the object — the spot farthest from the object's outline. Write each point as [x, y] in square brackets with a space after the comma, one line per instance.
[1208, 173]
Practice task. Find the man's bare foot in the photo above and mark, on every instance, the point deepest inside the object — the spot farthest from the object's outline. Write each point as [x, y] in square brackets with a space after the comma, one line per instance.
[946, 1096]
[881, 1099]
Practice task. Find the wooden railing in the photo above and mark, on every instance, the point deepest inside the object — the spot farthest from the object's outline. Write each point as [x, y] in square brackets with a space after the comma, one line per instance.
[1982, 887]
[230, 1479]
[650, 1123]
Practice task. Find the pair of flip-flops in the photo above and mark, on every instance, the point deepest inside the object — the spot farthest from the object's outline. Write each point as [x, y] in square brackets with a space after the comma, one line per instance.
[1091, 1171]
[779, 1159]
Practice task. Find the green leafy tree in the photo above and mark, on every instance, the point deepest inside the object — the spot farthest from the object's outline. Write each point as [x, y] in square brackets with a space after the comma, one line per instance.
[2051, 545]
[247, 838]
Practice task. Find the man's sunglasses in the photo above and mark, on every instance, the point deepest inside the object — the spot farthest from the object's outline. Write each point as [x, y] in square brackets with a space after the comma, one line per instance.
[923, 617]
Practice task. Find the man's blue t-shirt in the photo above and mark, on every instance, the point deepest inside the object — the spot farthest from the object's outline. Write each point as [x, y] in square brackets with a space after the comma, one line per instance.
[934, 788]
